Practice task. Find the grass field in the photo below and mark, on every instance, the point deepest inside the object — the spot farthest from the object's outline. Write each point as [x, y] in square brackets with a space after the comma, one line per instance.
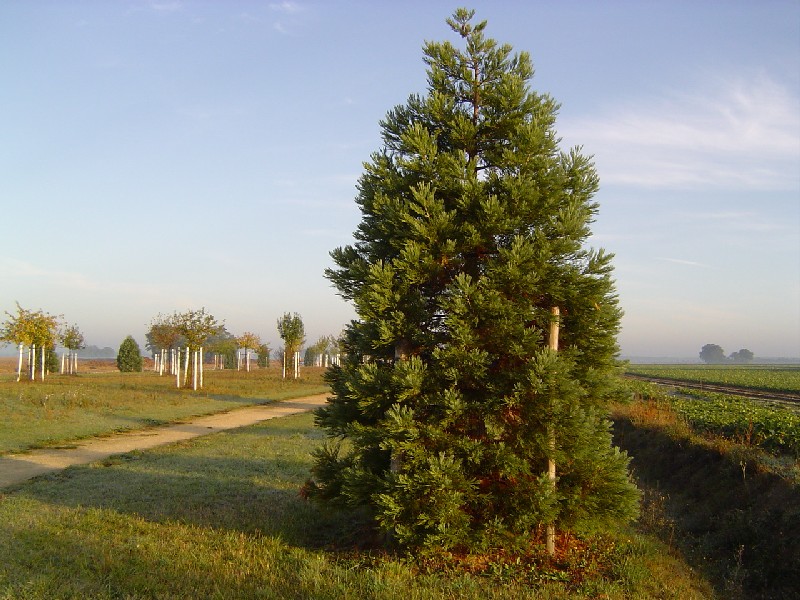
[102, 400]
[221, 517]
[778, 378]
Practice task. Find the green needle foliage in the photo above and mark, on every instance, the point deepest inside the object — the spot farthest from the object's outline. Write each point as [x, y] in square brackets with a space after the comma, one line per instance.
[473, 229]
[129, 357]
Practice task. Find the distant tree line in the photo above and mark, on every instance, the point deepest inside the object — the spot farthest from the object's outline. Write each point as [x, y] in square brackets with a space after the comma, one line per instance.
[713, 354]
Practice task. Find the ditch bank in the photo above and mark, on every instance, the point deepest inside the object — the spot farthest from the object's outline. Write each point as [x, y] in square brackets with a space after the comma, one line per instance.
[731, 518]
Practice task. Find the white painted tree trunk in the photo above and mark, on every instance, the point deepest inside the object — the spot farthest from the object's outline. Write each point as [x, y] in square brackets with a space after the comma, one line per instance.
[186, 368]
[284, 364]
[32, 362]
[44, 361]
[201, 367]
[19, 364]
[177, 366]
[194, 370]
[63, 361]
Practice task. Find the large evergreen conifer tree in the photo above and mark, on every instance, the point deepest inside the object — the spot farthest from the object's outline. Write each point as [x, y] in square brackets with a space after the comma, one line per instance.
[474, 228]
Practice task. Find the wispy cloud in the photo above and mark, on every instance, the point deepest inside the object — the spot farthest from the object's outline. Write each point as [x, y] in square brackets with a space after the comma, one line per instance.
[740, 221]
[166, 6]
[740, 133]
[680, 261]
[287, 7]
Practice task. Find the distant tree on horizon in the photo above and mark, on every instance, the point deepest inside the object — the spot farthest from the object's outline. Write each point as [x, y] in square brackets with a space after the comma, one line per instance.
[742, 357]
[712, 354]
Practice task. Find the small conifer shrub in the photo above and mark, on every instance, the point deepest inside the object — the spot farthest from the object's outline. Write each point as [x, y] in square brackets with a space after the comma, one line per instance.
[129, 358]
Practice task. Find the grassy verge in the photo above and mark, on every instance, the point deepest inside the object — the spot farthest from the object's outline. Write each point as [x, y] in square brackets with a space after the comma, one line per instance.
[221, 517]
[65, 408]
[730, 506]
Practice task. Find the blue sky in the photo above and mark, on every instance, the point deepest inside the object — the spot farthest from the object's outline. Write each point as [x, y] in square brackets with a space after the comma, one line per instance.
[164, 155]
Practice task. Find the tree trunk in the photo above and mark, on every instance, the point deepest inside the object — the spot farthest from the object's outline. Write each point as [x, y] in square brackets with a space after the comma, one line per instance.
[19, 364]
[177, 366]
[194, 370]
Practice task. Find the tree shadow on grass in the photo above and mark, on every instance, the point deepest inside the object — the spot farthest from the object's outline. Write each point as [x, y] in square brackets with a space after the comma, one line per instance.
[246, 480]
[742, 529]
[83, 553]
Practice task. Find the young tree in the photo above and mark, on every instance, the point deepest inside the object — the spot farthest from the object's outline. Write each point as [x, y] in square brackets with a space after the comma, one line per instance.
[224, 344]
[163, 340]
[263, 355]
[129, 357]
[316, 351]
[473, 233]
[248, 341]
[196, 327]
[72, 339]
[35, 329]
[293, 334]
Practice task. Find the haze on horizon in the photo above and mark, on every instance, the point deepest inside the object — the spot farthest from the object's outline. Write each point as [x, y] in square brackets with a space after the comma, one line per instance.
[160, 156]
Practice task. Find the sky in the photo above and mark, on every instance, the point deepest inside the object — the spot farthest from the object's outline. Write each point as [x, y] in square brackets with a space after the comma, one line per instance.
[160, 156]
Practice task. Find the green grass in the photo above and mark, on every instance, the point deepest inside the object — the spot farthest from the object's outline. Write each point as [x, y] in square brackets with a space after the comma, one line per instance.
[779, 378]
[64, 408]
[221, 517]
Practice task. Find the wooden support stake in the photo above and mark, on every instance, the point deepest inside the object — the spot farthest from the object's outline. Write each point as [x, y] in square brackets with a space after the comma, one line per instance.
[551, 465]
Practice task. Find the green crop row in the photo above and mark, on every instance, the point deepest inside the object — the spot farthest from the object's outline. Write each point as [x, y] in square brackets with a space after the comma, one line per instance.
[777, 378]
[772, 427]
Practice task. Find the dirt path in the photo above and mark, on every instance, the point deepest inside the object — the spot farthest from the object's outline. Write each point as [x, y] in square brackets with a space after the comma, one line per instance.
[16, 468]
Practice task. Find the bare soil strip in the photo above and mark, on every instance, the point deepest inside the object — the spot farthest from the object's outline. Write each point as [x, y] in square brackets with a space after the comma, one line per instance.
[17, 468]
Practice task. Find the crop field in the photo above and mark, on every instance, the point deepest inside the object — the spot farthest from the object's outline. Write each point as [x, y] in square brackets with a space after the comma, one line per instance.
[778, 378]
[773, 427]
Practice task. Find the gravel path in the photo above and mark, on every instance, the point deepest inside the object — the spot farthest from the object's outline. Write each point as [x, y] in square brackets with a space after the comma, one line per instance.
[17, 468]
